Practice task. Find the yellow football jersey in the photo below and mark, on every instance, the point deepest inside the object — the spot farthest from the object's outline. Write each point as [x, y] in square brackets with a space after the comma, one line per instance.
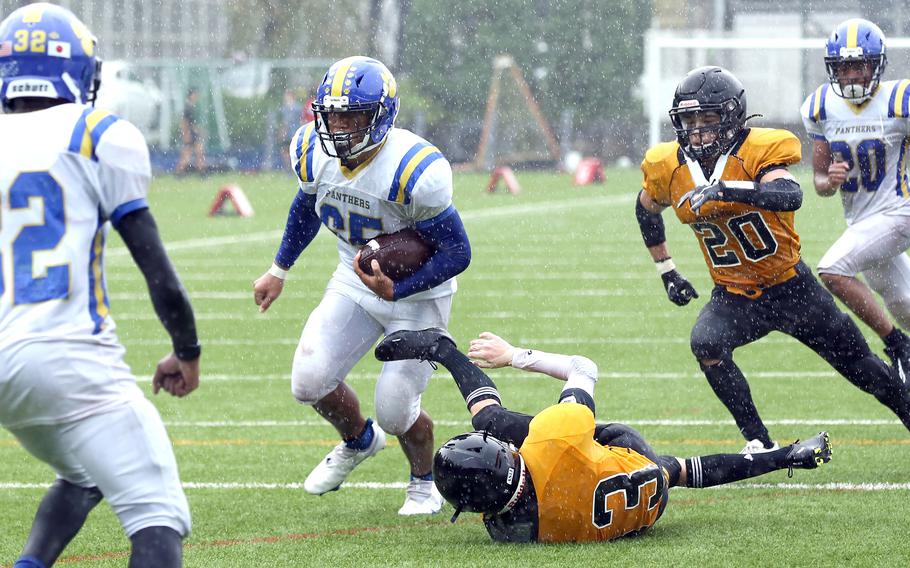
[746, 248]
[586, 491]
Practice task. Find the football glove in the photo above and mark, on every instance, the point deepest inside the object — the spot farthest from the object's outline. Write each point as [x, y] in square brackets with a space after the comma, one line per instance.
[679, 290]
[702, 194]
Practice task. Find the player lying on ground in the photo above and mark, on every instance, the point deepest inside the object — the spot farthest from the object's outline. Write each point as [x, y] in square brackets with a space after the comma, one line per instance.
[569, 480]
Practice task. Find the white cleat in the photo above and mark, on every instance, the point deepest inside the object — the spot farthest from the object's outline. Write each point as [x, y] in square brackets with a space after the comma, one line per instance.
[339, 463]
[422, 499]
[757, 447]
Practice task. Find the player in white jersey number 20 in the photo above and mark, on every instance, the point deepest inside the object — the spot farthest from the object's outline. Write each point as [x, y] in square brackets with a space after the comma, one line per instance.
[68, 172]
[860, 128]
[361, 177]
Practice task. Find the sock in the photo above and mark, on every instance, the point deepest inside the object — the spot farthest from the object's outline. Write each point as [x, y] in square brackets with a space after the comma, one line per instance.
[895, 338]
[426, 477]
[473, 383]
[718, 469]
[156, 547]
[364, 439]
[60, 515]
[731, 388]
[29, 562]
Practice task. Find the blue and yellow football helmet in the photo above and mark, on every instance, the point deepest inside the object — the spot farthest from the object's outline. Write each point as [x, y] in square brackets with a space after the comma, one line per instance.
[855, 41]
[47, 52]
[356, 85]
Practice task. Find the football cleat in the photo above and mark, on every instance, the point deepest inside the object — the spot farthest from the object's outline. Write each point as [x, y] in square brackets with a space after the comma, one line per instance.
[810, 453]
[900, 360]
[407, 344]
[422, 498]
[339, 463]
[758, 447]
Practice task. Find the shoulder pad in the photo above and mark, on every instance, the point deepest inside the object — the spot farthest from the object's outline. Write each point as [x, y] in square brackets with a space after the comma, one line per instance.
[411, 166]
[304, 145]
[88, 131]
[815, 104]
[900, 100]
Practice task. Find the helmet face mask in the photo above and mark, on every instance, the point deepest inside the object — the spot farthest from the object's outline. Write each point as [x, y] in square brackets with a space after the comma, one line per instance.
[352, 88]
[478, 473]
[709, 112]
[855, 59]
[51, 56]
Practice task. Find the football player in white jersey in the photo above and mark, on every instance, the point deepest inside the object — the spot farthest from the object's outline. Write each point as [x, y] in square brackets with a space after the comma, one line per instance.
[361, 177]
[68, 172]
[861, 136]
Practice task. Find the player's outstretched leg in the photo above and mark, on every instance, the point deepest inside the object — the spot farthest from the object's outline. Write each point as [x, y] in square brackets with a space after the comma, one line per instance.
[718, 469]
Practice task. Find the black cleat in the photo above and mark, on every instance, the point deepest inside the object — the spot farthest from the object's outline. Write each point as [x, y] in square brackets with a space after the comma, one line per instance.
[809, 454]
[407, 344]
[900, 360]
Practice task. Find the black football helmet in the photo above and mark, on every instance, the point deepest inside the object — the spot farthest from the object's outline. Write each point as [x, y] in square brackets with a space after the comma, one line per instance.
[709, 89]
[478, 473]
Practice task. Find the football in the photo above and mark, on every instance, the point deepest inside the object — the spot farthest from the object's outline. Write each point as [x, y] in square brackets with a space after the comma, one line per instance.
[399, 254]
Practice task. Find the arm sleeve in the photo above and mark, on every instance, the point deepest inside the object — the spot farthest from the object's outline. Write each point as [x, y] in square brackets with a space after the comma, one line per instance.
[447, 235]
[300, 230]
[781, 194]
[171, 302]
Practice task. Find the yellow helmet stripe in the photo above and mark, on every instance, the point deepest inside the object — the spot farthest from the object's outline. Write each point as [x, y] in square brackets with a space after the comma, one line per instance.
[33, 13]
[852, 33]
[340, 74]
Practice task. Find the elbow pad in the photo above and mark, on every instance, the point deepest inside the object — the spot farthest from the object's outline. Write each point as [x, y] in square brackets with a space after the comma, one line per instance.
[651, 224]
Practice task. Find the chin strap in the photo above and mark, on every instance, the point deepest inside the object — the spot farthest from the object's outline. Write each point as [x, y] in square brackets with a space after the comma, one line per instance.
[520, 489]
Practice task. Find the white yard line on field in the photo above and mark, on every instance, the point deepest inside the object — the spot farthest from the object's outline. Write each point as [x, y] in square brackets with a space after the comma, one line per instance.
[467, 216]
[374, 485]
[465, 423]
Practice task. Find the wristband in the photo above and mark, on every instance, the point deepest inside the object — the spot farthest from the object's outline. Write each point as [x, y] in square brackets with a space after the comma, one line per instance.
[278, 272]
[664, 266]
[188, 352]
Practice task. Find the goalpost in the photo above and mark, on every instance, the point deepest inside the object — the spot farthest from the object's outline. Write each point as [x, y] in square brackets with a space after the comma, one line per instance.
[777, 72]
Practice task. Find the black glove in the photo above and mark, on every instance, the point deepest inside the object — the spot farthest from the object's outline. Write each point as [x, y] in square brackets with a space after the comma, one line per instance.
[702, 194]
[679, 290]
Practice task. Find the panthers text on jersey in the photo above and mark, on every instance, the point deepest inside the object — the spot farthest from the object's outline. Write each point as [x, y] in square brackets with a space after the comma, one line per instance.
[405, 182]
[64, 172]
[873, 139]
[586, 491]
[746, 248]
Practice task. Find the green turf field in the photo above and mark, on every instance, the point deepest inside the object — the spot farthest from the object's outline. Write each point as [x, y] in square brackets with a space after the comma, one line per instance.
[559, 268]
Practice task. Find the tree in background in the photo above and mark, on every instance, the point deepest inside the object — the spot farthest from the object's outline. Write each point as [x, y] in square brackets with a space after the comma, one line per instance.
[582, 55]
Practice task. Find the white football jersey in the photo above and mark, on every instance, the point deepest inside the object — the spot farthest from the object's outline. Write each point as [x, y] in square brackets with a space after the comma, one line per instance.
[64, 172]
[407, 181]
[874, 140]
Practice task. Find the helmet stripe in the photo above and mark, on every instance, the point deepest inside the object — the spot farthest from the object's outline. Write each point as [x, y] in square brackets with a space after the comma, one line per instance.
[340, 74]
[852, 33]
[33, 13]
